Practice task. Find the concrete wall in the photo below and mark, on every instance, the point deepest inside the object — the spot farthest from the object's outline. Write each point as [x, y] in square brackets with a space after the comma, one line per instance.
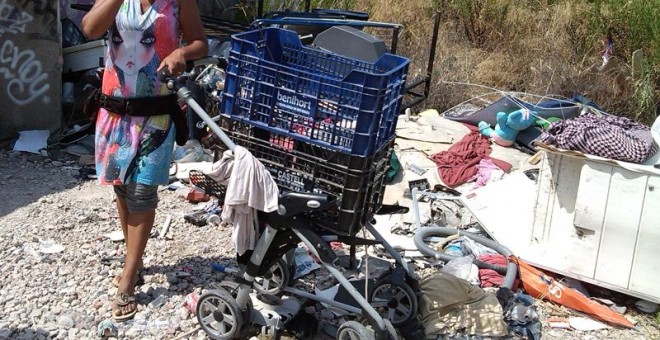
[30, 66]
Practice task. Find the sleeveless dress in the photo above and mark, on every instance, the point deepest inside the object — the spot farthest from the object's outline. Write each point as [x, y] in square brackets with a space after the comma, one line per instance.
[136, 149]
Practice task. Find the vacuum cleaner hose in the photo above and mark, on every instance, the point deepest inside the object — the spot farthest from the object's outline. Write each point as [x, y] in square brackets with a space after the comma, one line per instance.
[510, 272]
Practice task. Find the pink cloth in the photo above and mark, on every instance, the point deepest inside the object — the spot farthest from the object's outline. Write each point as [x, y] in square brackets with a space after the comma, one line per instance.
[489, 277]
[486, 170]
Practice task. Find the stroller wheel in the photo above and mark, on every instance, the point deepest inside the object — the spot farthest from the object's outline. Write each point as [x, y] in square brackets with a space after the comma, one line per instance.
[219, 315]
[353, 330]
[275, 280]
[395, 302]
[232, 288]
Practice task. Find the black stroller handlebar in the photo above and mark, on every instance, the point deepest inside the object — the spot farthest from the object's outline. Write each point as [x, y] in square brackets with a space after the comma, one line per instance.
[177, 84]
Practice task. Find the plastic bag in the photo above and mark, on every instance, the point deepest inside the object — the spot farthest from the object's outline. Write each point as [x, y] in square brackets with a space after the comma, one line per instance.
[655, 132]
[476, 249]
[190, 152]
[462, 268]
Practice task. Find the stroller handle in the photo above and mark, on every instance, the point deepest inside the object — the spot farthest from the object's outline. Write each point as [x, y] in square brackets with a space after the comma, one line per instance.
[177, 84]
[184, 94]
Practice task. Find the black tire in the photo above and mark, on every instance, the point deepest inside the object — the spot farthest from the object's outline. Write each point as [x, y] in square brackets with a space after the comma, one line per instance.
[232, 288]
[278, 279]
[396, 302]
[353, 330]
[219, 315]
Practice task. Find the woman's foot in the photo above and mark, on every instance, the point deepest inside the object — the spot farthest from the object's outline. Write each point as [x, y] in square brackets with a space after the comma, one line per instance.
[140, 280]
[124, 307]
[116, 281]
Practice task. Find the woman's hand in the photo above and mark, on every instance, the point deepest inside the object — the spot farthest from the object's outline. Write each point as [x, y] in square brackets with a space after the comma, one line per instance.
[196, 45]
[174, 63]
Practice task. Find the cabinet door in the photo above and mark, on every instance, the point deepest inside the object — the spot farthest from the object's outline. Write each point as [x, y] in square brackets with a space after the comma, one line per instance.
[620, 227]
[646, 266]
[590, 208]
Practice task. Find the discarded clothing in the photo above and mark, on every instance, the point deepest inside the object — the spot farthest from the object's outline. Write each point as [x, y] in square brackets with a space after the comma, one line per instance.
[458, 165]
[608, 136]
[249, 186]
[520, 313]
[449, 304]
[489, 277]
[486, 171]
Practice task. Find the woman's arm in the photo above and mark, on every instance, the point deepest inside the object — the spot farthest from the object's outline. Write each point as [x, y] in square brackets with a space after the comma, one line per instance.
[195, 46]
[97, 21]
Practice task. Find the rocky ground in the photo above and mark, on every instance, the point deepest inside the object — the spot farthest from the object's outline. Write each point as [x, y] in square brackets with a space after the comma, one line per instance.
[57, 263]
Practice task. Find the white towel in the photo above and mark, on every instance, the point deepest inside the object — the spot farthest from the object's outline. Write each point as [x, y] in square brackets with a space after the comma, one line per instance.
[249, 186]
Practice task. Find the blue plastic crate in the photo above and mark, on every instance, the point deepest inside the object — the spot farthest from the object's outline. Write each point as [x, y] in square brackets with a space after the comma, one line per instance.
[344, 104]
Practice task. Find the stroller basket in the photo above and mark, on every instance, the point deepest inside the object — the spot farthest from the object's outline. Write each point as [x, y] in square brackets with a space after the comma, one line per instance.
[314, 96]
[357, 182]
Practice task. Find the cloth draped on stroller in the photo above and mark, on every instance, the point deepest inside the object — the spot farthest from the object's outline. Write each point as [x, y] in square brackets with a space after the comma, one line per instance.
[249, 186]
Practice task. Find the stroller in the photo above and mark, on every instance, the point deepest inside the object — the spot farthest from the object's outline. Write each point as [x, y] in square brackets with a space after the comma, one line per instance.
[311, 214]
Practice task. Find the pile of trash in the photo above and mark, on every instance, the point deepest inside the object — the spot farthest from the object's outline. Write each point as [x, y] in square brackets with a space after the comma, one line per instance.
[482, 170]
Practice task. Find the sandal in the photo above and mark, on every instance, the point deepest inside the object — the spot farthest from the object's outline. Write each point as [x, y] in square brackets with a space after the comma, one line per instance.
[123, 300]
[206, 183]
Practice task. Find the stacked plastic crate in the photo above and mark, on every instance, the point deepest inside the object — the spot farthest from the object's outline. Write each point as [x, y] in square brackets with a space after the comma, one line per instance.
[319, 122]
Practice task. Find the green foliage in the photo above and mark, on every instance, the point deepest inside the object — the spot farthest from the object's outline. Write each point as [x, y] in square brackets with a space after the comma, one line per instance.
[644, 93]
[482, 19]
[280, 5]
[635, 24]
[632, 24]
[540, 46]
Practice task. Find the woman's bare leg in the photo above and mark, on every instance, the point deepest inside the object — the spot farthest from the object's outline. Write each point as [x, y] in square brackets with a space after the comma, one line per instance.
[122, 210]
[138, 231]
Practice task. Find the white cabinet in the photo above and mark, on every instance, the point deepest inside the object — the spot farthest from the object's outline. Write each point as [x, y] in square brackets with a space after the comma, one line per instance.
[599, 222]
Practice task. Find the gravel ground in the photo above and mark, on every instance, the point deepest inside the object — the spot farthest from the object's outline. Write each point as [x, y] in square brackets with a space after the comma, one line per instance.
[50, 292]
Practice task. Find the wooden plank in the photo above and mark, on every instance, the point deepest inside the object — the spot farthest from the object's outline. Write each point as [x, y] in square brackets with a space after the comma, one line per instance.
[619, 234]
[646, 266]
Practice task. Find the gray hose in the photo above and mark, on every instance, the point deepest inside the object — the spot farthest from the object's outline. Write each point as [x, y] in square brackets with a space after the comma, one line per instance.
[511, 269]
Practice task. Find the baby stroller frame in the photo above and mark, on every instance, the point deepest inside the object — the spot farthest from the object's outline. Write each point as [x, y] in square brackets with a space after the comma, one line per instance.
[224, 313]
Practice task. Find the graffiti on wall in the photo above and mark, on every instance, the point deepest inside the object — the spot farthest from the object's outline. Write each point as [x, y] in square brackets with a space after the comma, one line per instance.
[26, 80]
[45, 11]
[24, 75]
[12, 19]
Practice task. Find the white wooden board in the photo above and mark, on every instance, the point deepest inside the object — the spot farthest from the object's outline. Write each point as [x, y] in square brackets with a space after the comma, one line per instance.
[645, 273]
[622, 218]
[590, 208]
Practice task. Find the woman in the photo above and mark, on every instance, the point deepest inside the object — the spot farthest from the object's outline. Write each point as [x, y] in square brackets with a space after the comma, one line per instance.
[133, 149]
